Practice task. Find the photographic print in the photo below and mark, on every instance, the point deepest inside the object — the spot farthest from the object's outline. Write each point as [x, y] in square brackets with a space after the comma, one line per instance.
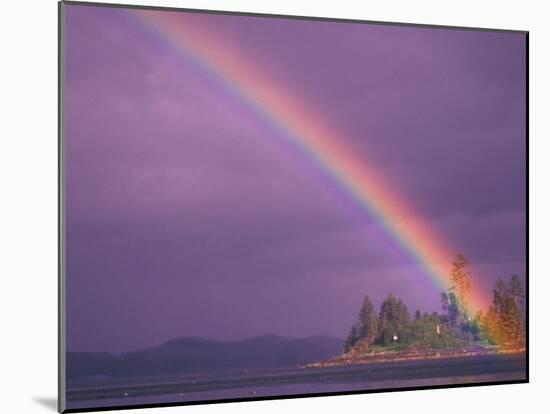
[259, 206]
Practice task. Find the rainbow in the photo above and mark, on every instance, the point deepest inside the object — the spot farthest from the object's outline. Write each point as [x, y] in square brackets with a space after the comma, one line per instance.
[244, 78]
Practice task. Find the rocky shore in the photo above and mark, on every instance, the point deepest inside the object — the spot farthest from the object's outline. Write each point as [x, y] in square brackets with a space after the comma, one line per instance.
[355, 357]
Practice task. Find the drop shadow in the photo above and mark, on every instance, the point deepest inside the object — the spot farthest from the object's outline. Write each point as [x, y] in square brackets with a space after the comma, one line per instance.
[48, 402]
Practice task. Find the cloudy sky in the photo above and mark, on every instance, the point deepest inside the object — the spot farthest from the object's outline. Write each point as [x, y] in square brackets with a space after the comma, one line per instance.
[188, 216]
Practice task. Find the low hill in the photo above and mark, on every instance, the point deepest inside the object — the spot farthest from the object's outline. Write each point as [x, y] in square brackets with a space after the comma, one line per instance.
[192, 354]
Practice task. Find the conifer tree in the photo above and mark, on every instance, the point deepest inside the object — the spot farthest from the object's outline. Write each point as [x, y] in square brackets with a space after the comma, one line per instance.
[351, 339]
[367, 322]
[460, 277]
[394, 319]
[504, 323]
[517, 295]
[451, 309]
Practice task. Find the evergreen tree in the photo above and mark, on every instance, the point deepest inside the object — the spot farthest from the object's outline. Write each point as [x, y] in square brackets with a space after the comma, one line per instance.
[417, 315]
[445, 307]
[394, 320]
[517, 295]
[490, 326]
[499, 294]
[451, 309]
[513, 311]
[476, 326]
[367, 322]
[351, 339]
[460, 277]
[516, 290]
[496, 322]
[504, 323]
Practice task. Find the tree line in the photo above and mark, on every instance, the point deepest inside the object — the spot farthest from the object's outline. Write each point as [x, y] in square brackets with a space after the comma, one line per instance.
[393, 328]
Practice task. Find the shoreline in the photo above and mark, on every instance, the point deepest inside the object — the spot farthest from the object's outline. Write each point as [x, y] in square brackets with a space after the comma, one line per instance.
[364, 378]
[354, 358]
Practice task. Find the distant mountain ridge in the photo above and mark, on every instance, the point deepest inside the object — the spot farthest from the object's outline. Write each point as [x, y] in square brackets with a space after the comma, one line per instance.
[194, 355]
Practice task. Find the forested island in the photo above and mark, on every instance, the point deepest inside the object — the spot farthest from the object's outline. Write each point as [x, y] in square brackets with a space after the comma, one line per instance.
[391, 334]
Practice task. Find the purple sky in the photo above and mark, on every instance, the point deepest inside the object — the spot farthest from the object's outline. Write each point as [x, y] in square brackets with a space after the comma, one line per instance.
[187, 215]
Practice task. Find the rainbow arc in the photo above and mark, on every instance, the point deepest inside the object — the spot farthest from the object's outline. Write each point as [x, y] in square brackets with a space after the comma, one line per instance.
[273, 101]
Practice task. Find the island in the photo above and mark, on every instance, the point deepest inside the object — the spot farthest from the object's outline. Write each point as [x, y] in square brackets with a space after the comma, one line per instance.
[392, 335]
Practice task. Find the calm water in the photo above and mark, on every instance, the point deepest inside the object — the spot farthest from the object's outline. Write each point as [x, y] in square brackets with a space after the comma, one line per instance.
[228, 385]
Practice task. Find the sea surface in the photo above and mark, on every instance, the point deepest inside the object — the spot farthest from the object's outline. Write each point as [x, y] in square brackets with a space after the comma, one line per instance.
[104, 392]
